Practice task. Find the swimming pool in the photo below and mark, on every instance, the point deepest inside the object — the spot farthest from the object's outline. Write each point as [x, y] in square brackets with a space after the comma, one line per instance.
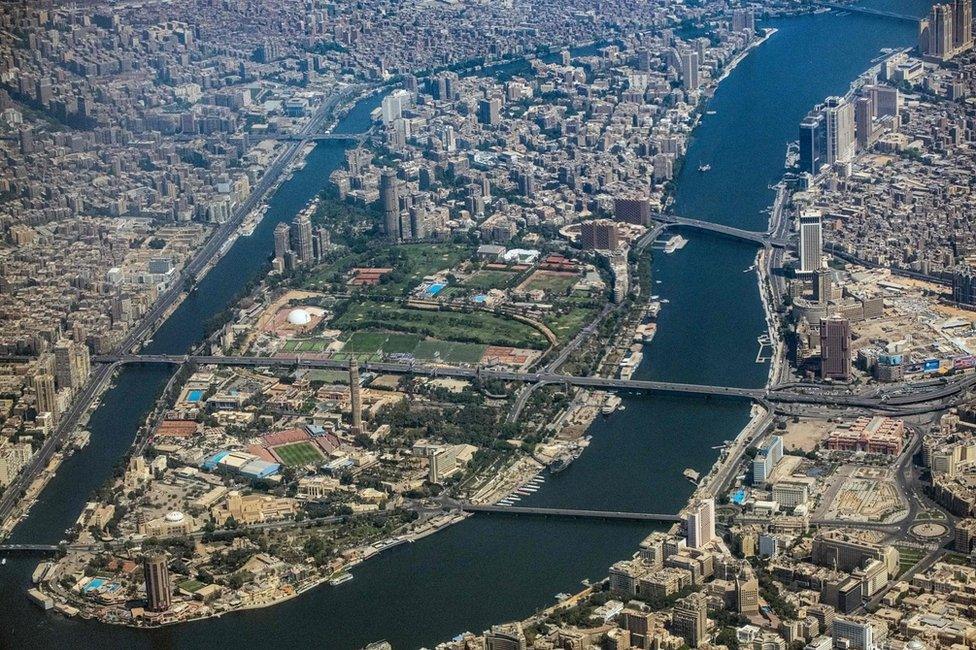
[435, 288]
[94, 584]
[194, 396]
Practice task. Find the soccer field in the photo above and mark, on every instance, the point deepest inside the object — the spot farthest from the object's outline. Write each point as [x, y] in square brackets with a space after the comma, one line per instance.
[298, 453]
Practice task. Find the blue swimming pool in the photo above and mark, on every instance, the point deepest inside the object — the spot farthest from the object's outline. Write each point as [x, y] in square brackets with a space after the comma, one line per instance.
[480, 298]
[94, 584]
[435, 288]
[194, 396]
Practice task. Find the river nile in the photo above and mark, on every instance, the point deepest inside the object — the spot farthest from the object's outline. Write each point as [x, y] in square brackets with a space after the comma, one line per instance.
[489, 569]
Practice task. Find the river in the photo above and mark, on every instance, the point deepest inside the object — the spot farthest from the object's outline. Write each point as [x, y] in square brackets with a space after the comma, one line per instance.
[488, 568]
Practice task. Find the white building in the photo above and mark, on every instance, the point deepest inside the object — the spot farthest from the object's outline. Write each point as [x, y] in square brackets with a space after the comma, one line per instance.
[701, 524]
[811, 241]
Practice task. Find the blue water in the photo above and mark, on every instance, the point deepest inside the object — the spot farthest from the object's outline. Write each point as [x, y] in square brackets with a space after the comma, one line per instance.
[194, 395]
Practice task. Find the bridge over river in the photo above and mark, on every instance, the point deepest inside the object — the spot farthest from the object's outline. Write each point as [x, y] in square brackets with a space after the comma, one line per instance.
[619, 515]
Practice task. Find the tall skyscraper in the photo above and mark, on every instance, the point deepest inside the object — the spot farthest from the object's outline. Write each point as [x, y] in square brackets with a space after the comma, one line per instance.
[835, 348]
[72, 364]
[159, 592]
[282, 240]
[839, 114]
[884, 100]
[301, 238]
[601, 234]
[690, 619]
[821, 285]
[418, 221]
[689, 70]
[935, 33]
[863, 121]
[46, 399]
[355, 398]
[813, 142]
[962, 25]
[391, 204]
[811, 241]
[489, 111]
[743, 19]
[700, 524]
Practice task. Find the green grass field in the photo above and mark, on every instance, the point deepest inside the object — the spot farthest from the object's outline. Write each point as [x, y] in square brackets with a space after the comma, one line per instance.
[485, 280]
[298, 453]
[551, 283]
[369, 345]
[411, 262]
[191, 586]
[473, 327]
[565, 326]
[305, 345]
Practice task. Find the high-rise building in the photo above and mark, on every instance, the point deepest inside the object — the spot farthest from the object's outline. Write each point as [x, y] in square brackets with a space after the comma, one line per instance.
[766, 459]
[301, 238]
[689, 70]
[811, 241]
[392, 106]
[46, 397]
[282, 240]
[962, 25]
[418, 221]
[355, 398]
[964, 286]
[839, 115]
[700, 524]
[489, 111]
[636, 211]
[853, 634]
[884, 100]
[835, 348]
[863, 121]
[821, 285]
[690, 619]
[813, 142]
[599, 235]
[747, 592]
[935, 39]
[743, 19]
[159, 592]
[391, 204]
[72, 364]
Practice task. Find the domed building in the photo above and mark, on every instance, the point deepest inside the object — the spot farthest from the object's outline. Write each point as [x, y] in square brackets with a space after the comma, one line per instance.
[299, 317]
[169, 525]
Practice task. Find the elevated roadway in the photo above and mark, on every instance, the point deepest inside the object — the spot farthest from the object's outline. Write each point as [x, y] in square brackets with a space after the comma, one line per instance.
[881, 13]
[761, 238]
[440, 371]
[618, 515]
[934, 395]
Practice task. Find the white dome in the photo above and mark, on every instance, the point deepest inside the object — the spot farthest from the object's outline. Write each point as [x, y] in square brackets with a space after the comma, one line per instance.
[299, 317]
[174, 517]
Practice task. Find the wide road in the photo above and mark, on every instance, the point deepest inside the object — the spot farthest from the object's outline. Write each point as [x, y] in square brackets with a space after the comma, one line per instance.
[930, 396]
[441, 371]
[69, 420]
